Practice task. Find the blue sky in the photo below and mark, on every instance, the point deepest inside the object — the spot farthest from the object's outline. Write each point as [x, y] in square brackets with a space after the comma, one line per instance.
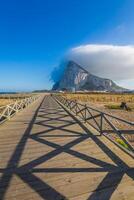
[35, 35]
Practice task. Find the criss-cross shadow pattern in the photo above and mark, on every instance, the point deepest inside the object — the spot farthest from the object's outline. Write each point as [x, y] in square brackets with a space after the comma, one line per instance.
[58, 158]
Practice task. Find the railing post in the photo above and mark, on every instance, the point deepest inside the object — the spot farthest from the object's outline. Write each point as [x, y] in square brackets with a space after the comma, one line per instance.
[8, 113]
[16, 107]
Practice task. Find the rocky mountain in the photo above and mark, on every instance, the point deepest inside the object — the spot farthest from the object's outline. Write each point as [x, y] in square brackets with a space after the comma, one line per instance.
[77, 78]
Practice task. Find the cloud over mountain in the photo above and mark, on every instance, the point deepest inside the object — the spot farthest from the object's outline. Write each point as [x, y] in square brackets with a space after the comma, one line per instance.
[107, 61]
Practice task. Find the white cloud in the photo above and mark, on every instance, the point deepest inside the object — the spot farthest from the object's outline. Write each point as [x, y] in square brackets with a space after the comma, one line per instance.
[126, 83]
[107, 61]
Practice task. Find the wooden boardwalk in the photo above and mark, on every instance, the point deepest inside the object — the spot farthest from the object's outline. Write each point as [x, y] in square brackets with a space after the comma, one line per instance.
[46, 154]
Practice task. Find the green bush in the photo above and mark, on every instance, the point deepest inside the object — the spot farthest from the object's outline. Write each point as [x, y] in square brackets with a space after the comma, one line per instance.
[122, 143]
[113, 106]
[116, 106]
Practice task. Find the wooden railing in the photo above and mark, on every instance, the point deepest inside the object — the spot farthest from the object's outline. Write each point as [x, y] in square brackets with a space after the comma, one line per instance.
[118, 129]
[6, 112]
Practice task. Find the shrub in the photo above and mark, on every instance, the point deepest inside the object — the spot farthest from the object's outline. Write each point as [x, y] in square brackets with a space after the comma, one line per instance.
[122, 143]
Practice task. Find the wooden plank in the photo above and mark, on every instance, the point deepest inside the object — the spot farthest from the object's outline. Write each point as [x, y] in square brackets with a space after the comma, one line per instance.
[55, 158]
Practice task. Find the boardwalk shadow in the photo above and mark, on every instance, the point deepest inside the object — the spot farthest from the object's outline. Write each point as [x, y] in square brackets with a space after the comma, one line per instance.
[27, 172]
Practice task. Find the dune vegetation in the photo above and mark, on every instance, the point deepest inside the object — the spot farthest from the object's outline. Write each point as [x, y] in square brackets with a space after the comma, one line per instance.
[101, 97]
[106, 100]
[11, 98]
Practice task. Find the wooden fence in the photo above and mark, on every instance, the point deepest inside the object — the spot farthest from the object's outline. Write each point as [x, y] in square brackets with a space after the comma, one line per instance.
[6, 112]
[118, 129]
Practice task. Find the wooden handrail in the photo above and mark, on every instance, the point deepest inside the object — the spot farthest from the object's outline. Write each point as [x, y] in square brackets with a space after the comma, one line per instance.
[9, 110]
[86, 113]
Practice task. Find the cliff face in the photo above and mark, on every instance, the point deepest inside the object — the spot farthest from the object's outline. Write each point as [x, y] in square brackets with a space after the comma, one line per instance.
[77, 78]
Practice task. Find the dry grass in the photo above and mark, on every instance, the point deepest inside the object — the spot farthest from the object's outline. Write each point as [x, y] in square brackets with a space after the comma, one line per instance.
[105, 102]
[105, 98]
[4, 102]
[9, 99]
[110, 101]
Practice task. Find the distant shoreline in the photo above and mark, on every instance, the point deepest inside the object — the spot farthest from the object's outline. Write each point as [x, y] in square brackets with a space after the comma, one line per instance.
[8, 92]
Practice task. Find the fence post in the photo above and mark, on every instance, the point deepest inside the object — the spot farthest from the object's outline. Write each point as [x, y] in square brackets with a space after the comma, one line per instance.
[8, 113]
[16, 107]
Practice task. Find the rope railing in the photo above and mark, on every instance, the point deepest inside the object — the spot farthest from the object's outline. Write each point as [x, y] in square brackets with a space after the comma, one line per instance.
[117, 129]
[7, 111]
